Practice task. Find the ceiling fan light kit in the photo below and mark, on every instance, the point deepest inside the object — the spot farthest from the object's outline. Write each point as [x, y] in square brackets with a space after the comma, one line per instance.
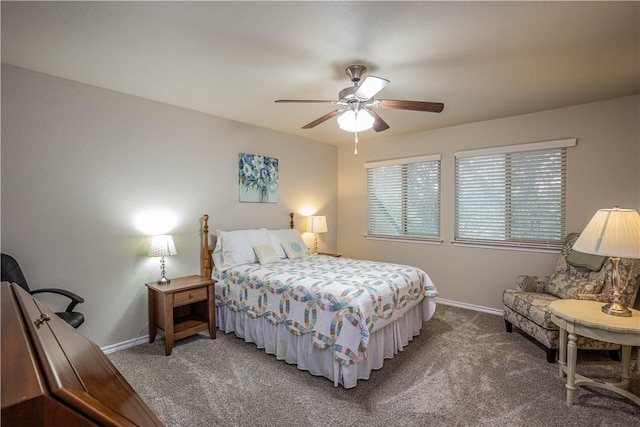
[354, 121]
[357, 104]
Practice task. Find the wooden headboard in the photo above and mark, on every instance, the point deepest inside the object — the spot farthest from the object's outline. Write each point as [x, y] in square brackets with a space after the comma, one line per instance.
[207, 252]
[207, 260]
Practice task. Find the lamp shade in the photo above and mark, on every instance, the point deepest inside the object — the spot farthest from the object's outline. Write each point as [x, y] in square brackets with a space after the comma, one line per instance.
[317, 224]
[162, 246]
[355, 121]
[611, 232]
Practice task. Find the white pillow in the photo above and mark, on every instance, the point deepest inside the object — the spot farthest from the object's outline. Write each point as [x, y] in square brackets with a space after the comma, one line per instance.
[237, 246]
[266, 254]
[285, 235]
[217, 250]
[294, 249]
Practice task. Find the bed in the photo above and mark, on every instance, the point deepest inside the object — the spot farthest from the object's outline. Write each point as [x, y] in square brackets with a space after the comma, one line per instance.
[332, 316]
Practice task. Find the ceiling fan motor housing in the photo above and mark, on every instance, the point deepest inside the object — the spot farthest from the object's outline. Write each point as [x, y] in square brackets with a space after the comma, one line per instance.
[355, 72]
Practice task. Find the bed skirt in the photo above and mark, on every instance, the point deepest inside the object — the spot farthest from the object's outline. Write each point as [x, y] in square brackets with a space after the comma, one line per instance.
[384, 343]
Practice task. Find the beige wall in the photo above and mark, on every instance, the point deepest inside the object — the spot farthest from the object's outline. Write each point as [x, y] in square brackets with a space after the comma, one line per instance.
[80, 163]
[602, 171]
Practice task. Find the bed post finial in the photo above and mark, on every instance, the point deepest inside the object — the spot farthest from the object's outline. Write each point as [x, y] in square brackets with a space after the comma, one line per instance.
[206, 252]
[291, 223]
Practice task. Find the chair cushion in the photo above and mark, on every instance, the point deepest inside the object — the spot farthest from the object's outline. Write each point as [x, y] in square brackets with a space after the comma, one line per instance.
[565, 286]
[532, 305]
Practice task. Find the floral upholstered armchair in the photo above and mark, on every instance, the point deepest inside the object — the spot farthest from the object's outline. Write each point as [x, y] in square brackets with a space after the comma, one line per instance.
[577, 276]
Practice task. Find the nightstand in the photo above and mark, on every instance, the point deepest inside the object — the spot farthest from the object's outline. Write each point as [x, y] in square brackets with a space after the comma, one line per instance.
[182, 308]
[330, 254]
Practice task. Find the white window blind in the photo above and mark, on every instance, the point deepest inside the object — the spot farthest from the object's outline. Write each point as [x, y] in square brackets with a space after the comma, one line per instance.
[404, 198]
[513, 195]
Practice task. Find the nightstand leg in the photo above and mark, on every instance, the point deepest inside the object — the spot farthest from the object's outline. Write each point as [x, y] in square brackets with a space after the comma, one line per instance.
[152, 315]
[168, 324]
[211, 308]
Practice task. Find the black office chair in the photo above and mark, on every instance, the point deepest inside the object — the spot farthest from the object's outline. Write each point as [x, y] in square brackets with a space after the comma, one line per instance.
[11, 272]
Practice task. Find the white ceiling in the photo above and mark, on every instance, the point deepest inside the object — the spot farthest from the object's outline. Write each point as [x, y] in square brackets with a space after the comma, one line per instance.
[484, 60]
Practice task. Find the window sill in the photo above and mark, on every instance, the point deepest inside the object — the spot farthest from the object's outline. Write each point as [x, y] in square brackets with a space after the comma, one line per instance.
[406, 239]
[509, 246]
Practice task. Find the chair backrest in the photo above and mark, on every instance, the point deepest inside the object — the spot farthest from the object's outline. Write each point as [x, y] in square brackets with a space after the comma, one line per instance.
[629, 273]
[11, 272]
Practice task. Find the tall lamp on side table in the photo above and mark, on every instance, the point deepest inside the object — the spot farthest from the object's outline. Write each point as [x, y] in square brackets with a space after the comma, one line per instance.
[315, 225]
[614, 233]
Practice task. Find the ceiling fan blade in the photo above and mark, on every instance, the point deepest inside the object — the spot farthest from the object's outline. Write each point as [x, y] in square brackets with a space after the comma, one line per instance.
[370, 86]
[323, 119]
[432, 107]
[319, 101]
[378, 125]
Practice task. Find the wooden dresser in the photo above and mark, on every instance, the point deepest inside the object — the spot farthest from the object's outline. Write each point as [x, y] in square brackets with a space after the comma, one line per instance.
[53, 375]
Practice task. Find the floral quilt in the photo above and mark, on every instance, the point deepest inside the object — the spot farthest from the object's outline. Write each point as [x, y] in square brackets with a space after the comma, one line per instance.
[337, 300]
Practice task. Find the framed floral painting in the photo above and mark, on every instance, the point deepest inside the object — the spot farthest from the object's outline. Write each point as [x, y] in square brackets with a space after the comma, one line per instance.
[258, 178]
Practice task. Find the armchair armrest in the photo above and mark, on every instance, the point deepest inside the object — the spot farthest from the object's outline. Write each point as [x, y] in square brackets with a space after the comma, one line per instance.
[531, 283]
[75, 299]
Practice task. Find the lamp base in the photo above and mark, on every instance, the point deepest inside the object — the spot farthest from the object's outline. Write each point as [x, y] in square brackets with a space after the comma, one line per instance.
[616, 309]
[163, 281]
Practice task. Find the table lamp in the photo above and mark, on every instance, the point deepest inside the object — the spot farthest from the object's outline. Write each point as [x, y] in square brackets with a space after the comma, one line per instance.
[614, 233]
[162, 246]
[315, 225]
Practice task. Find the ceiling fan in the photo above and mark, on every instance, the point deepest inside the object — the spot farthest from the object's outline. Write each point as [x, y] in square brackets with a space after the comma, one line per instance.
[357, 103]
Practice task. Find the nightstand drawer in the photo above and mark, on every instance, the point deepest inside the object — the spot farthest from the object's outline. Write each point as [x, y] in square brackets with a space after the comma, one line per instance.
[189, 296]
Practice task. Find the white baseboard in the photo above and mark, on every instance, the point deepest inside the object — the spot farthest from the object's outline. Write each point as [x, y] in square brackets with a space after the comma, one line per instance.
[145, 339]
[125, 344]
[488, 310]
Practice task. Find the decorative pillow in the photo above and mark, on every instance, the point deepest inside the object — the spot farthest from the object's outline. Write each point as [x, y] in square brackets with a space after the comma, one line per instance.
[585, 261]
[566, 286]
[237, 246]
[294, 249]
[285, 235]
[266, 254]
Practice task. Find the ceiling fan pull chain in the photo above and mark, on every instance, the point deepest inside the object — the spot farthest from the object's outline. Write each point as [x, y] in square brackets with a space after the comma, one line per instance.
[355, 148]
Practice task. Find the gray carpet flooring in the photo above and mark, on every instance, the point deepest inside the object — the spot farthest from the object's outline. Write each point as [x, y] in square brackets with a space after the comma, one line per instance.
[462, 370]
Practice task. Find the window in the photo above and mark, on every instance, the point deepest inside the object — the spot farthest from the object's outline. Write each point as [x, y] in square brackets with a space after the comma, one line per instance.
[404, 198]
[513, 195]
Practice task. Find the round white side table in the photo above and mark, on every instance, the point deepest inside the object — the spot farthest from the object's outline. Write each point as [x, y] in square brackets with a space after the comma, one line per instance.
[585, 318]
